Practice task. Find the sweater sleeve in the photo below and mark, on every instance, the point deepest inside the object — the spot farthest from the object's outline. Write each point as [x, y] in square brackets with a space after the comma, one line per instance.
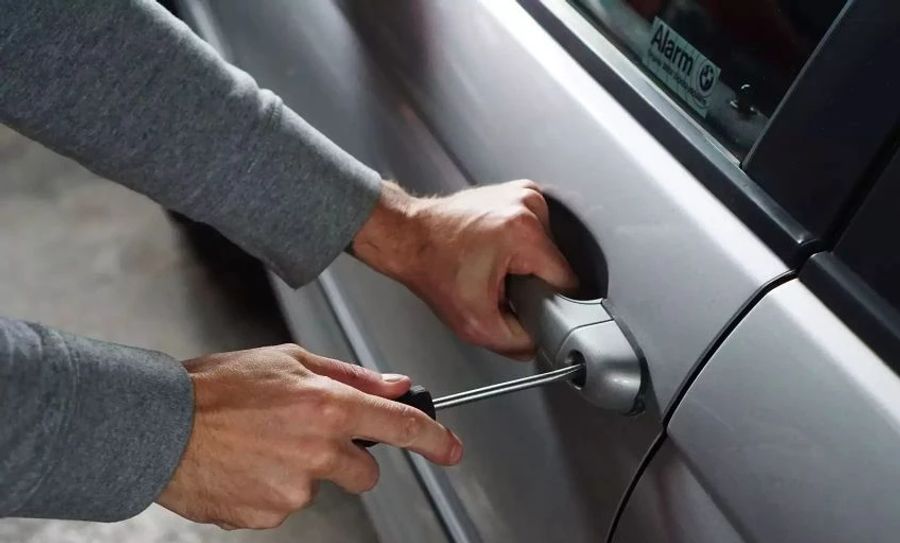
[132, 94]
[91, 430]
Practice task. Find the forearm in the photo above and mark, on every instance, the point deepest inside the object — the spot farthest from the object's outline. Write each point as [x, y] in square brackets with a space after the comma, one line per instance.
[131, 93]
[91, 430]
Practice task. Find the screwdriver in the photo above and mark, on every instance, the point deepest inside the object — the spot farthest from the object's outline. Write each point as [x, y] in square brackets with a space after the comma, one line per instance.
[420, 397]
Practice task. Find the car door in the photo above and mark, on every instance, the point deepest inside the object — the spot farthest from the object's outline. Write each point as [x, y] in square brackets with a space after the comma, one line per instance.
[441, 95]
[792, 430]
[789, 432]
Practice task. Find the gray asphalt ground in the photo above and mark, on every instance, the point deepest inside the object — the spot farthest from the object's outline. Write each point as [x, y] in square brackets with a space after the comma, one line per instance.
[83, 254]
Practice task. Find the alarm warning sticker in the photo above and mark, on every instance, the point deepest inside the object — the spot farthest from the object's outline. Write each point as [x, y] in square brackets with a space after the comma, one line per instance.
[681, 67]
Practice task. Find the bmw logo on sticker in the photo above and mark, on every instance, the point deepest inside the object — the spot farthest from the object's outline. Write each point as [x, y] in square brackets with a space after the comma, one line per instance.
[681, 67]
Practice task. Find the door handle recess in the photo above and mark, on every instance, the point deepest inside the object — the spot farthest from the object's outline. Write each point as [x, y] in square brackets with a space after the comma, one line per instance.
[570, 331]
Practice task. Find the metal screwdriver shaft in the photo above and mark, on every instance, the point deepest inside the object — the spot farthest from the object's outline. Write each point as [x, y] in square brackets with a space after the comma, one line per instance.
[491, 391]
[420, 398]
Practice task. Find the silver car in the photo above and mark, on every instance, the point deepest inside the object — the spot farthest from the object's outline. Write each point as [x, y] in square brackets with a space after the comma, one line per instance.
[724, 178]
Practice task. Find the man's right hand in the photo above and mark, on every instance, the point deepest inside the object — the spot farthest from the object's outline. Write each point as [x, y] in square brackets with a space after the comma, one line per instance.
[270, 423]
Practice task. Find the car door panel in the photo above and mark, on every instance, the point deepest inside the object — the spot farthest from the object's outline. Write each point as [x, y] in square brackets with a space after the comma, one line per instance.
[489, 96]
[793, 427]
[670, 504]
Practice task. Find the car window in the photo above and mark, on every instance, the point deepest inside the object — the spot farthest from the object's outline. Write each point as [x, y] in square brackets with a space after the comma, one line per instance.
[728, 63]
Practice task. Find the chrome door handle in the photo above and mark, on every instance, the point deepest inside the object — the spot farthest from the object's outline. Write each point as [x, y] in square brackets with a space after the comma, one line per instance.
[569, 331]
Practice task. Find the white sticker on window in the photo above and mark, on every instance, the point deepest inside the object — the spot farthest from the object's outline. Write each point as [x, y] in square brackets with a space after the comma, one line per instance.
[681, 67]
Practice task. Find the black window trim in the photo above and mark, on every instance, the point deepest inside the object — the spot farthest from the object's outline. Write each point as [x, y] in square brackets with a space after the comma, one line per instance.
[841, 280]
[689, 142]
[853, 119]
[863, 310]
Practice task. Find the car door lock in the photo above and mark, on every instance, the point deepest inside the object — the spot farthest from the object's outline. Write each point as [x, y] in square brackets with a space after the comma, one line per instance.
[571, 332]
[580, 339]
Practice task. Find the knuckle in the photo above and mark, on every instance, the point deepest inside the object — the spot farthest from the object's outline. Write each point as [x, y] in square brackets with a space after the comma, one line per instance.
[354, 373]
[291, 349]
[319, 388]
[522, 221]
[299, 496]
[333, 414]
[410, 428]
[322, 460]
[314, 402]
[319, 393]
[470, 330]
[483, 329]
[532, 197]
[521, 216]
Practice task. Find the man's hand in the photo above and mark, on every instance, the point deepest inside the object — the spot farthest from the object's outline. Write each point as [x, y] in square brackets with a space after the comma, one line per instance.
[455, 253]
[269, 423]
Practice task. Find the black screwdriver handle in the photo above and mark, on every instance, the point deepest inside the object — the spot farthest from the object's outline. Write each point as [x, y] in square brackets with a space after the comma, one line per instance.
[417, 396]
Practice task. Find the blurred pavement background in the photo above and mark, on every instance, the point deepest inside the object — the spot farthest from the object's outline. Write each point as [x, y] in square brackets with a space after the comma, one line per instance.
[80, 253]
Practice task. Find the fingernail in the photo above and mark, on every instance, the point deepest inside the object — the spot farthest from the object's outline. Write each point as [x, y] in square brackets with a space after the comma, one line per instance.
[393, 377]
[456, 451]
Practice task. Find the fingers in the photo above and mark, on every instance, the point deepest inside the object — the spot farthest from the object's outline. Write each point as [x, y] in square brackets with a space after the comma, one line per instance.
[350, 467]
[388, 385]
[535, 202]
[532, 197]
[358, 404]
[520, 346]
[501, 332]
[400, 425]
[544, 259]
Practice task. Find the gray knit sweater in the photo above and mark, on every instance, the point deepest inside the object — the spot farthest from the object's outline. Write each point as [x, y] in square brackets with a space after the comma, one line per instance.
[92, 430]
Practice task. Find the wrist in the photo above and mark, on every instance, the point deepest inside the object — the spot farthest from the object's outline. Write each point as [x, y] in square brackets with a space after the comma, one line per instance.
[393, 237]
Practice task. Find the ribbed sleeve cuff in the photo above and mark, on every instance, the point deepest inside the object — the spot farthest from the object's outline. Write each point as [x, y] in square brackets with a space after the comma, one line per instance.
[128, 423]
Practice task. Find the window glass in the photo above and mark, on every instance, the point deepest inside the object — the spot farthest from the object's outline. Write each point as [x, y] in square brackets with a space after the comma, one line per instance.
[728, 63]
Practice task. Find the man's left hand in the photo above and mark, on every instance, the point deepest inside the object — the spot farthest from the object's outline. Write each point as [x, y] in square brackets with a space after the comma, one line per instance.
[455, 252]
